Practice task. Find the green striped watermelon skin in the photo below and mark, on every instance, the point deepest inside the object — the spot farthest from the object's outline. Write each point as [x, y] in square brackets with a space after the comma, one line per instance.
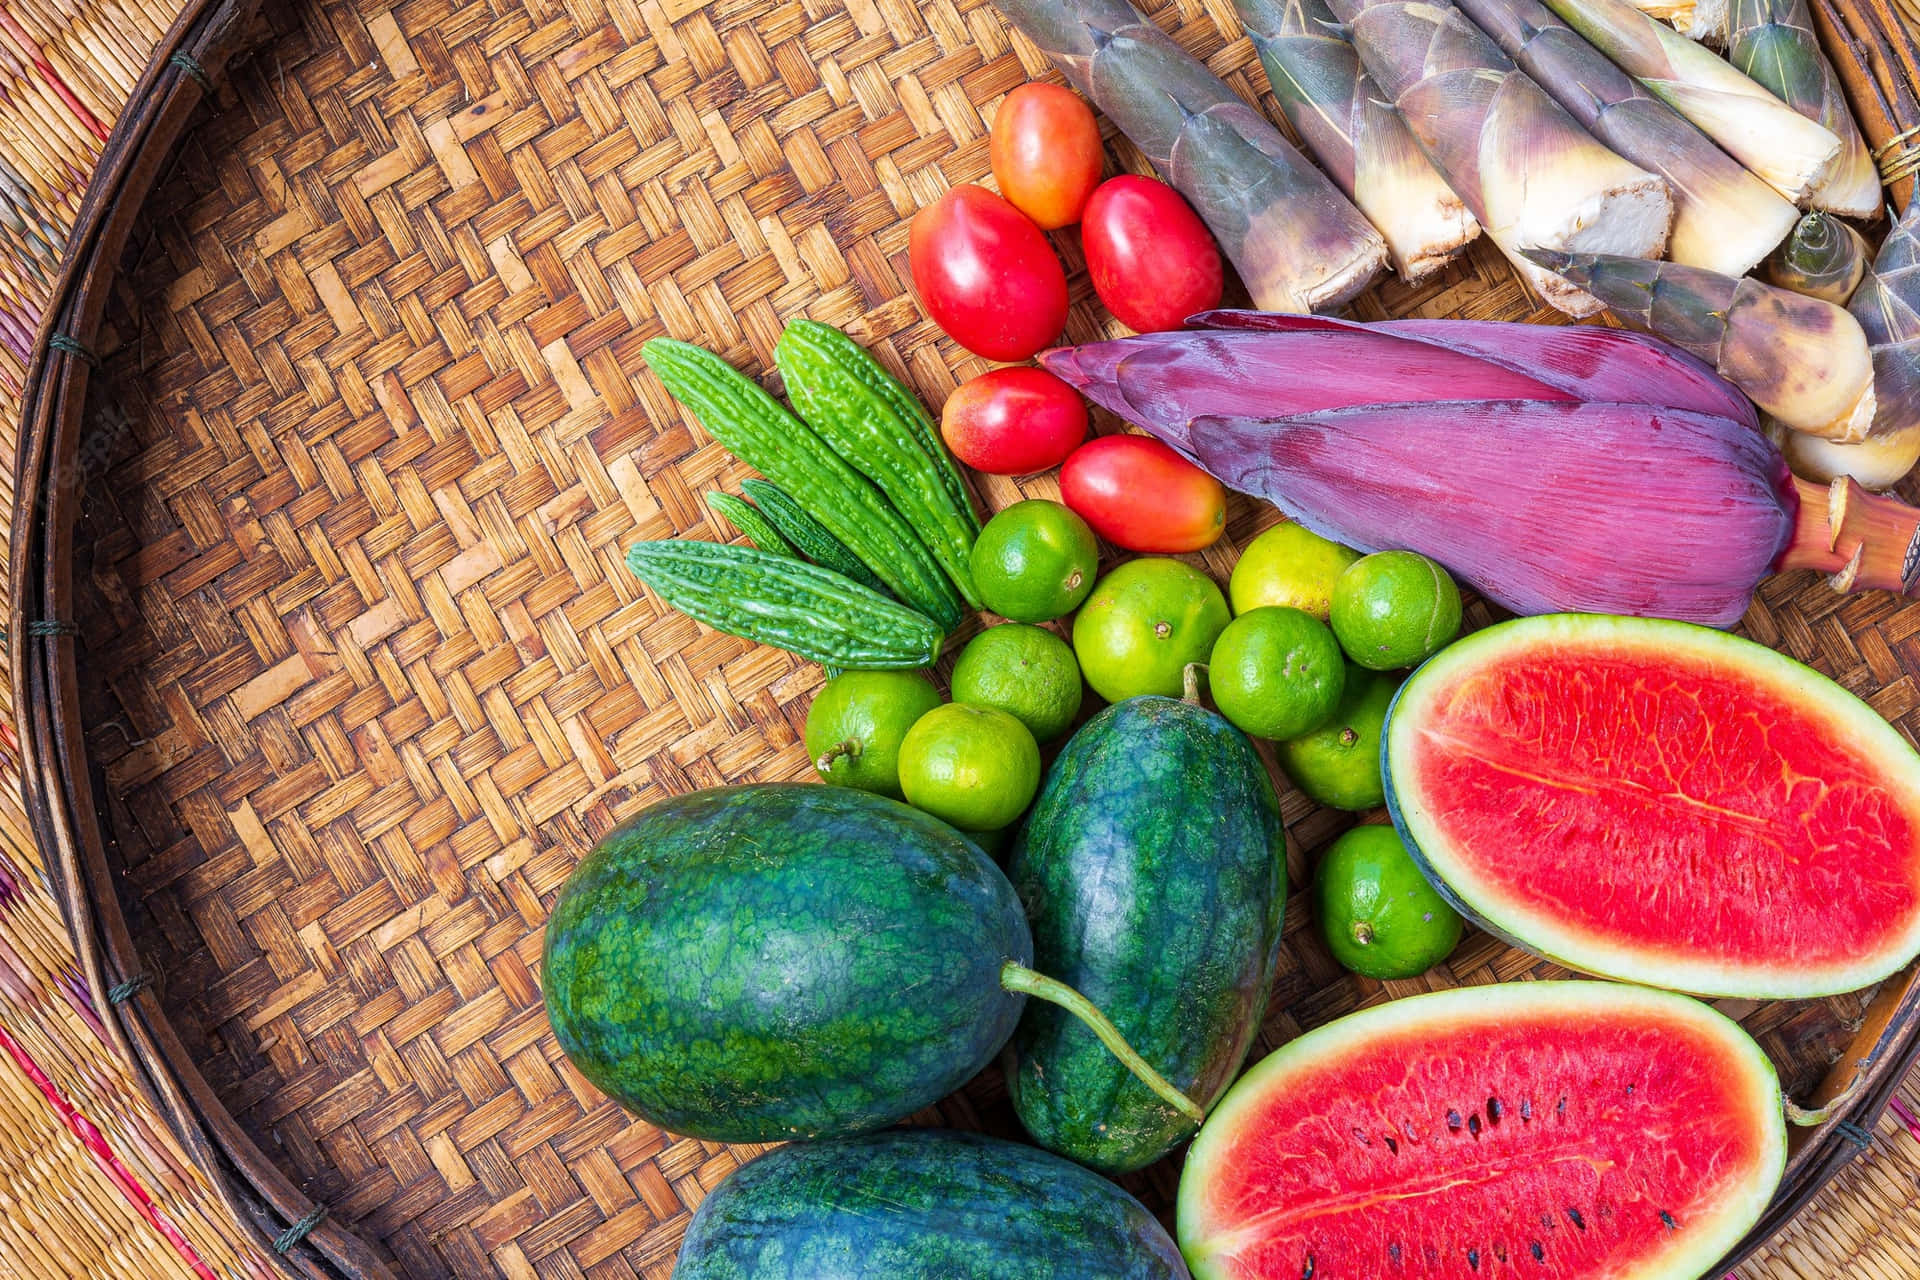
[775, 961]
[922, 1204]
[1153, 868]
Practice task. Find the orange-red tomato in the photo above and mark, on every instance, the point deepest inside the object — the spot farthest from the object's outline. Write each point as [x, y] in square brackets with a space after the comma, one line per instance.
[1045, 149]
[1013, 422]
[1139, 494]
[1151, 259]
[987, 275]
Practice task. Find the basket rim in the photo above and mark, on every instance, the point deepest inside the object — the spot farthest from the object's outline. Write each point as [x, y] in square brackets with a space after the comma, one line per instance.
[1870, 44]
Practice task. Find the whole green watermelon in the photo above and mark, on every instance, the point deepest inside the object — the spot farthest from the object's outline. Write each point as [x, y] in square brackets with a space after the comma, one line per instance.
[1153, 869]
[759, 963]
[922, 1204]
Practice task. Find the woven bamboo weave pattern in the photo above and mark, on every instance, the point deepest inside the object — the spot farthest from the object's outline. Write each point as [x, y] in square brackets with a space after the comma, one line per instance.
[91, 1182]
[368, 674]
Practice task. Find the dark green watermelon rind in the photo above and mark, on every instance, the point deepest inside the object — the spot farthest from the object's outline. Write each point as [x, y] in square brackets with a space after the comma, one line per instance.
[1541, 1000]
[1699, 978]
[922, 1204]
[759, 963]
[1153, 870]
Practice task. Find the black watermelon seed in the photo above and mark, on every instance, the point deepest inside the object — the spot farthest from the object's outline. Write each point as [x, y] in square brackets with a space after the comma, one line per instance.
[1453, 1120]
[1629, 1091]
[1539, 1254]
[1413, 1134]
[1473, 1124]
[1578, 1221]
[1393, 1252]
[1668, 1219]
[1561, 1110]
[1473, 1259]
[1393, 1148]
[1500, 1252]
[1307, 1273]
[1526, 1108]
[1494, 1110]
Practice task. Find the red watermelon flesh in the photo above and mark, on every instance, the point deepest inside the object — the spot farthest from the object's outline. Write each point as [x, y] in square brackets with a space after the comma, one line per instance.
[1662, 803]
[1559, 1130]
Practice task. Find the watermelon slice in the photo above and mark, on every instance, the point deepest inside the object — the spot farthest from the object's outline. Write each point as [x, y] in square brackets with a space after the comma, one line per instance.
[1555, 1130]
[1661, 803]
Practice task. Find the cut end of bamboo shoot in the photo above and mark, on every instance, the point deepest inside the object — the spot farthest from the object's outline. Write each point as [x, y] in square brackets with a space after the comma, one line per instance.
[1630, 220]
[1876, 464]
[1853, 188]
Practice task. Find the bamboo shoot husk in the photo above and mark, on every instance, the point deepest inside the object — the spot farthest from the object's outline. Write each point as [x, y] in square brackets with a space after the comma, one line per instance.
[1824, 258]
[1774, 42]
[1359, 139]
[1297, 242]
[1887, 307]
[1724, 218]
[1802, 360]
[1527, 170]
[1791, 153]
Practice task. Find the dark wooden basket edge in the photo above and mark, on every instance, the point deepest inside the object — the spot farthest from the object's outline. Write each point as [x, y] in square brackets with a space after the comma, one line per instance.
[59, 786]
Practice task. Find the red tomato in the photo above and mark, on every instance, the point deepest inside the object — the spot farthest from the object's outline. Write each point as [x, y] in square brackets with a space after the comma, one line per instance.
[987, 275]
[1013, 422]
[1139, 494]
[1151, 258]
[1046, 155]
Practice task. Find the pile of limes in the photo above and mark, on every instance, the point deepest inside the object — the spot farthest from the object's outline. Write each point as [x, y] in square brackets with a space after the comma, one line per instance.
[1308, 656]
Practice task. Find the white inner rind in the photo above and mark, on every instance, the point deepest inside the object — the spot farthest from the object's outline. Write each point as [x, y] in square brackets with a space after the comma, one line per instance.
[1845, 720]
[1630, 219]
[1463, 1012]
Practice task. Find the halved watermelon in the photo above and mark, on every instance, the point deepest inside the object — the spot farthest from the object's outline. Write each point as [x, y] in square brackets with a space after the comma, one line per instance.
[1558, 1130]
[1661, 803]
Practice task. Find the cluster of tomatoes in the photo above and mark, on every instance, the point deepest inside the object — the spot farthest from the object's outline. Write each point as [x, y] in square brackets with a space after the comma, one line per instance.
[986, 273]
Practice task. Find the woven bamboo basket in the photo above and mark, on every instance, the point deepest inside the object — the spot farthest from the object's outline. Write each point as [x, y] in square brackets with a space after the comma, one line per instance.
[326, 664]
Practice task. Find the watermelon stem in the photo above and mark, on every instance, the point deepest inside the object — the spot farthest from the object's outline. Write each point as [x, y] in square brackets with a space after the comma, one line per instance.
[1019, 978]
[1802, 1117]
[1190, 683]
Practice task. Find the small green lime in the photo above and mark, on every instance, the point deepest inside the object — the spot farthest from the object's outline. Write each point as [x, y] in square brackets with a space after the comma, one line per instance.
[857, 722]
[1035, 561]
[1378, 914]
[1143, 624]
[975, 767]
[1288, 565]
[1395, 609]
[1027, 672]
[1338, 764]
[1277, 672]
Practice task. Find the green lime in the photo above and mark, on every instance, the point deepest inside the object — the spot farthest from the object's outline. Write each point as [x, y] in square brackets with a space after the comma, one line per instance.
[1143, 624]
[857, 722]
[975, 767]
[1035, 561]
[1027, 672]
[1338, 764]
[1277, 672]
[1379, 915]
[1395, 609]
[1288, 565]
